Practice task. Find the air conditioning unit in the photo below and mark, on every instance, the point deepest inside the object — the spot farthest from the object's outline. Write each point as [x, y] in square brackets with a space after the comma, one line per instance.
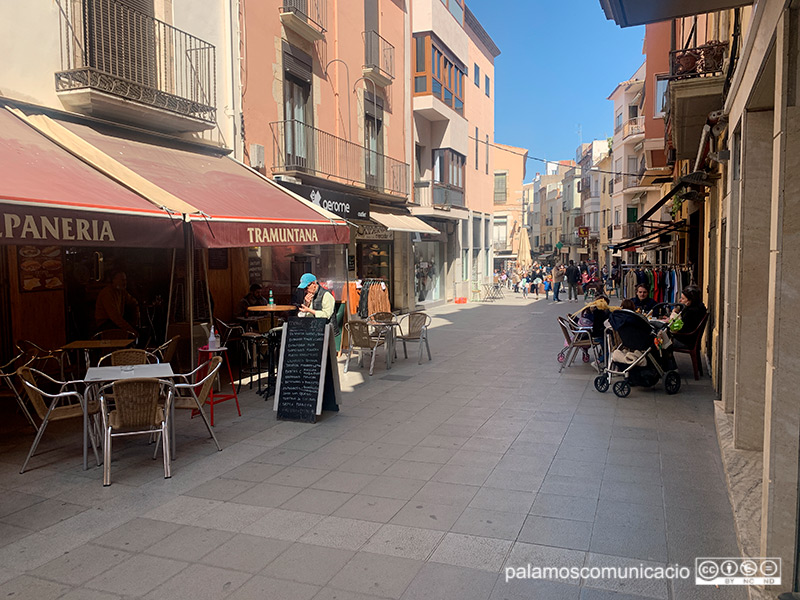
[257, 156]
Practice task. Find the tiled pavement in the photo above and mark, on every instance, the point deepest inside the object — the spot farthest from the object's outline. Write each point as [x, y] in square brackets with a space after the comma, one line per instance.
[430, 481]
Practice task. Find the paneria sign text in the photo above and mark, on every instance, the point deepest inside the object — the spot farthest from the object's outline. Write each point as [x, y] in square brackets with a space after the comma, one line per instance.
[54, 229]
[282, 235]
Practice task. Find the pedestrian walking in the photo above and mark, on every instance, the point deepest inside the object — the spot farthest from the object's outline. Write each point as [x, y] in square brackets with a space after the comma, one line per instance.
[573, 276]
[558, 278]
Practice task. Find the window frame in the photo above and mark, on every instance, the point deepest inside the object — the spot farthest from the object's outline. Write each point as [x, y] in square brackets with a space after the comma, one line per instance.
[443, 78]
[487, 84]
[450, 171]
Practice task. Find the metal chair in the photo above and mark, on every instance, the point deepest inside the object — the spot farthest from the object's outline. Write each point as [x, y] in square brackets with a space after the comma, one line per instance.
[360, 338]
[8, 373]
[64, 404]
[166, 351]
[43, 357]
[416, 324]
[128, 356]
[113, 334]
[577, 339]
[193, 395]
[136, 411]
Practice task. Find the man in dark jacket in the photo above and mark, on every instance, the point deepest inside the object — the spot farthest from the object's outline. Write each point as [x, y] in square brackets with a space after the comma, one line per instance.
[573, 276]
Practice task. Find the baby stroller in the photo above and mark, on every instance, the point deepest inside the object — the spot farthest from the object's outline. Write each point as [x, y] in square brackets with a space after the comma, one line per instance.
[639, 357]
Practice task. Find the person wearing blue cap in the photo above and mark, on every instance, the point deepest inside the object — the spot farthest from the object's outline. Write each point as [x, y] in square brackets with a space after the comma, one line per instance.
[317, 302]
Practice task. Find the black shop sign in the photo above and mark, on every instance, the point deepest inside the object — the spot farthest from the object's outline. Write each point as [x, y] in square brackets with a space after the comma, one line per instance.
[308, 373]
[344, 205]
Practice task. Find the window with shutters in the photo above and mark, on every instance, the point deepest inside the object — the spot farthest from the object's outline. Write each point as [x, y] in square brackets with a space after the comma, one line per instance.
[500, 187]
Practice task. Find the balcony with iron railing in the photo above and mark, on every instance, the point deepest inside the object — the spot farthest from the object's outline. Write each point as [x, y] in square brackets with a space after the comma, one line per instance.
[548, 222]
[701, 61]
[631, 181]
[378, 59]
[633, 126]
[434, 194]
[307, 18]
[121, 64]
[631, 230]
[301, 148]
[594, 234]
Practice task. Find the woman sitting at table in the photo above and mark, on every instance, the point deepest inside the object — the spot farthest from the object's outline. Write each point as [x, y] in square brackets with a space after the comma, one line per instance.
[691, 314]
[317, 301]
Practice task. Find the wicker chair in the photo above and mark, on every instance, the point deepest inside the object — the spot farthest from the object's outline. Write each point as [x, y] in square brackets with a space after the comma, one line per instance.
[128, 356]
[136, 411]
[416, 330]
[64, 404]
[359, 337]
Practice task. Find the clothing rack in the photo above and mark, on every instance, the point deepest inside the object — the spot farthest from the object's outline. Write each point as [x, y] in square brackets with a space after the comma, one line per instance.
[661, 289]
[370, 301]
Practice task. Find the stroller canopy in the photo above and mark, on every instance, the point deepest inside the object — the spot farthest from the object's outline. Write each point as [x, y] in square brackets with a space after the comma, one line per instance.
[634, 330]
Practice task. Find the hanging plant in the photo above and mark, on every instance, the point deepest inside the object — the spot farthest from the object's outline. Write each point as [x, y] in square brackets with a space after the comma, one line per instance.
[677, 202]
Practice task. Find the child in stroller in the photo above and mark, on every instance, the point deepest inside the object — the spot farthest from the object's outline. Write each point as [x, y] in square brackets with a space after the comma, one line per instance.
[642, 356]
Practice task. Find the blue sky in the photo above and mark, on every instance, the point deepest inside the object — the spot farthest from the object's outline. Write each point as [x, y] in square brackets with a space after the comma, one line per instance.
[560, 60]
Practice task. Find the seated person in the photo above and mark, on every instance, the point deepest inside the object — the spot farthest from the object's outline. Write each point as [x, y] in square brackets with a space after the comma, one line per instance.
[596, 313]
[691, 314]
[643, 302]
[628, 304]
[254, 298]
[112, 304]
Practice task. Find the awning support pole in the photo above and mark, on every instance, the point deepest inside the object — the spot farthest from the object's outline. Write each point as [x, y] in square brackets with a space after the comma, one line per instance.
[169, 296]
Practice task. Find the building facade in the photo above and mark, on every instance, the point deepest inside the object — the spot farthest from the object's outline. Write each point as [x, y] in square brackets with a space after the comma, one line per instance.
[509, 176]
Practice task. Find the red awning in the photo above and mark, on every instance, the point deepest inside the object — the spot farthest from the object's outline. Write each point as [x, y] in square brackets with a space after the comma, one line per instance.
[50, 197]
[238, 207]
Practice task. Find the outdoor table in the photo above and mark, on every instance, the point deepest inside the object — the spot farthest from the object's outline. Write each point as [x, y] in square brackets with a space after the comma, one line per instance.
[272, 309]
[99, 375]
[89, 345]
[388, 328]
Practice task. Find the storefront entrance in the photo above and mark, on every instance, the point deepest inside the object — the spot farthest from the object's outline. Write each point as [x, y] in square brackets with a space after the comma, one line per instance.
[428, 271]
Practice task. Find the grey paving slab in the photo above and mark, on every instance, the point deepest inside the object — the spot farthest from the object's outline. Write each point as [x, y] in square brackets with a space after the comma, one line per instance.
[41, 515]
[560, 533]
[321, 502]
[649, 588]
[393, 487]
[269, 587]
[572, 508]
[370, 508]
[571, 486]
[78, 566]
[189, 543]
[256, 472]
[243, 552]
[137, 534]
[27, 587]
[450, 582]
[126, 579]
[220, 489]
[471, 551]
[412, 469]
[646, 543]
[377, 574]
[234, 517]
[452, 494]
[200, 582]
[514, 501]
[338, 532]
[308, 563]
[405, 542]
[267, 494]
[523, 554]
[489, 523]
[427, 515]
[284, 524]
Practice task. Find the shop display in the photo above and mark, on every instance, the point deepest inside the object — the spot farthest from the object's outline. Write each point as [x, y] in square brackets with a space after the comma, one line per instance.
[40, 269]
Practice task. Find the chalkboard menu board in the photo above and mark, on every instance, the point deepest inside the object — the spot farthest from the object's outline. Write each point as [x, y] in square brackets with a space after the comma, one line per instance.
[308, 375]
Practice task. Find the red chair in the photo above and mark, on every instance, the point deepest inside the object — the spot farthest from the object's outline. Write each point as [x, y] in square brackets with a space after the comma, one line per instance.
[694, 349]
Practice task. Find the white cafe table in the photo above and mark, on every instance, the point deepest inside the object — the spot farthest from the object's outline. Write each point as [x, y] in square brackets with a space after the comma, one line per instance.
[100, 375]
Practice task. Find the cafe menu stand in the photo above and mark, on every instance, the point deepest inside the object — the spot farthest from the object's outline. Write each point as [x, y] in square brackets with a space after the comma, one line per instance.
[205, 354]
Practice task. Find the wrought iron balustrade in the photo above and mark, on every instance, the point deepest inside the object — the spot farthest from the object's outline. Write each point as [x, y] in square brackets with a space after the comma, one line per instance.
[701, 61]
[298, 147]
[632, 230]
[378, 54]
[109, 47]
[633, 126]
[313, 12]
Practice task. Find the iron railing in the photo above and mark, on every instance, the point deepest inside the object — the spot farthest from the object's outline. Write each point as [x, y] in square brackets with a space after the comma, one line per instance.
[313, 12]
[700, 61]
[298, 147]
[432, 193]
[378, 54]
[112, 48]
[632, 230]
[633, 126]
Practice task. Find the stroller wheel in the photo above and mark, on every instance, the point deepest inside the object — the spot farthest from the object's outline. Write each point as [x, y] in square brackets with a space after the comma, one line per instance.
[601, 383]
[586, 357]
[622, 389]
[562, 356]
[672, 382]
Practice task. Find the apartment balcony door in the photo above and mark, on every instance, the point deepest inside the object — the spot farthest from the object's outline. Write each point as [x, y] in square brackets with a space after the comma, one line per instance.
[298, 134]
[373, 143]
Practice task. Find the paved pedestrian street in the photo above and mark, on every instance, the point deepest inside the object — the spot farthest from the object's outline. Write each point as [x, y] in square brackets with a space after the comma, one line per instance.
[432, 482]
